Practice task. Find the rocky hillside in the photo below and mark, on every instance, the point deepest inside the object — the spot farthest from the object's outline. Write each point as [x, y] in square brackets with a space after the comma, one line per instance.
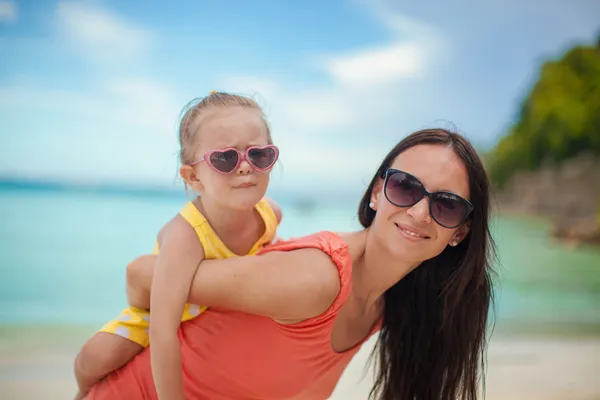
[568, 193]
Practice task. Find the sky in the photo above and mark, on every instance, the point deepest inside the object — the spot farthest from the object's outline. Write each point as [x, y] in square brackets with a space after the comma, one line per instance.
[92, 91]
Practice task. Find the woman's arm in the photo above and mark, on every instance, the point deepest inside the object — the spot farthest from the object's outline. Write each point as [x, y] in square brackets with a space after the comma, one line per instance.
[285, 286]
[140, 273]
[180, 253]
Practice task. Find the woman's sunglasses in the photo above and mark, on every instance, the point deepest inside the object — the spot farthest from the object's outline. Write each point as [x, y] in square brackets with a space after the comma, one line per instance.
[228, 160]
[404, 190]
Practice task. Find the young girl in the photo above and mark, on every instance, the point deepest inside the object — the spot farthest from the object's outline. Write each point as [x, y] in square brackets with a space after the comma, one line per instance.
[226, 156]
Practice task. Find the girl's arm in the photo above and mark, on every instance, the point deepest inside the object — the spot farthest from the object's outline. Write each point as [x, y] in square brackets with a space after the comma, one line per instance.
[180, 253]
[276, 209]
[278, 214]
[283, 285]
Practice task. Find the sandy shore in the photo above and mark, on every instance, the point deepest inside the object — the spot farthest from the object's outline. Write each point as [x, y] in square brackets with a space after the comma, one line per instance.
[38, 365]
[518, 369]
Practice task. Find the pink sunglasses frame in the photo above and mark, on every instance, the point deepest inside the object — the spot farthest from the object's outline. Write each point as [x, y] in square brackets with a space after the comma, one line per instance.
[241, 157]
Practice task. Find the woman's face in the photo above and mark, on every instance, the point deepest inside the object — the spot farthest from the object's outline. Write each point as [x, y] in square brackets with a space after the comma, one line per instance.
[410, 233]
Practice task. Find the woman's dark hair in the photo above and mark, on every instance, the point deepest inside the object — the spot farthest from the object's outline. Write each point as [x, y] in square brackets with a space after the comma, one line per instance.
[433, 338]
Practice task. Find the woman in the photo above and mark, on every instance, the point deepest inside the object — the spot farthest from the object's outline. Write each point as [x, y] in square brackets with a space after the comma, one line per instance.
[285, 324]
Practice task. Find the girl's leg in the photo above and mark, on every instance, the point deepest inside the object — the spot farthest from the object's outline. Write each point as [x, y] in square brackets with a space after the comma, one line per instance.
[101, 355]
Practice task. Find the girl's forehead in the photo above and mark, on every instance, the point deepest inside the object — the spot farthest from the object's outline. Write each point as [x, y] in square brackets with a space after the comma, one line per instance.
[437, 166]
[232, 127]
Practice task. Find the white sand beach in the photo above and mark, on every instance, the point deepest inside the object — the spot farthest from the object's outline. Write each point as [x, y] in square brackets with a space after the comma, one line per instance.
[38, 365]
[518, 369]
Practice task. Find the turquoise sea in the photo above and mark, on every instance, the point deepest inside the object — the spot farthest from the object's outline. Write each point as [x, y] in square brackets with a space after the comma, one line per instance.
[63, 255]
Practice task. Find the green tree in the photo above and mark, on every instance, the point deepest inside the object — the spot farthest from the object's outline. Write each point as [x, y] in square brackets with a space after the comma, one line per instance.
[558, 119]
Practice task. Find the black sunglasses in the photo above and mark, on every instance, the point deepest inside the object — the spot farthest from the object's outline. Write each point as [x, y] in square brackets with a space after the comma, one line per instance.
[446, 208]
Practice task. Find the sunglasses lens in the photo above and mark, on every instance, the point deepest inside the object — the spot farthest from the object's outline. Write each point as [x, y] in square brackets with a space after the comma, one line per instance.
[403, 190]
[262, 158]
[448, 210]
[224, 161]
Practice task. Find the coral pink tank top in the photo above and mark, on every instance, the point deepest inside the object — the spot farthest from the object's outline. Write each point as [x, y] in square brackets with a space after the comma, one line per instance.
[233, 355]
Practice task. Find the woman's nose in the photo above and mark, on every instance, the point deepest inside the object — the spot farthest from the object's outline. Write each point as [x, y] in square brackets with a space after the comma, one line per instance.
[420, 211]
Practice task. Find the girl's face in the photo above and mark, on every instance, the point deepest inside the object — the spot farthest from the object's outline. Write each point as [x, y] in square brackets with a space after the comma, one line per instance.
[231, 128]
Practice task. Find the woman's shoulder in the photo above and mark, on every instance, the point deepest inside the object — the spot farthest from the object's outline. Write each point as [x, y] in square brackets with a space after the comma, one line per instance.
[328, 241]
[355, 242]
[340, 249]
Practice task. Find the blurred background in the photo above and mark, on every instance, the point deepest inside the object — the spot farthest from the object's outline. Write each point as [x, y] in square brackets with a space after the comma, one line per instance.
[90, 99]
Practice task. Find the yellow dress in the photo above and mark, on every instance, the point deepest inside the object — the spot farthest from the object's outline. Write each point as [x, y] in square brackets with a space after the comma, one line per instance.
[134, 323]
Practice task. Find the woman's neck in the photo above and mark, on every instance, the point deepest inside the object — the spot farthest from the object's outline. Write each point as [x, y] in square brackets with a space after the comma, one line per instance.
[376, 270]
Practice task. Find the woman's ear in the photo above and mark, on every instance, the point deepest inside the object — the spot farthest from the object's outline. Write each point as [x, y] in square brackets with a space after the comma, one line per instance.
[460, 234]
[376, 194]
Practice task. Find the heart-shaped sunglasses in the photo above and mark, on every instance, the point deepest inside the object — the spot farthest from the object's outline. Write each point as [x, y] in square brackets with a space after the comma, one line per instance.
[225, 161]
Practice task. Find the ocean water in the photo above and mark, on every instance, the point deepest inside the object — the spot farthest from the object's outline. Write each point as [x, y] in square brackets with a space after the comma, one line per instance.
[63, 256]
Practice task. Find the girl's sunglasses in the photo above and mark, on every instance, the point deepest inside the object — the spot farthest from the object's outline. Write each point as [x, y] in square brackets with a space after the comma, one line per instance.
[446, 208]
[228, 160]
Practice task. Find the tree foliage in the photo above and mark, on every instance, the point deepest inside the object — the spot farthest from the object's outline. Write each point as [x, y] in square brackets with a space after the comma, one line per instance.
[558, 119]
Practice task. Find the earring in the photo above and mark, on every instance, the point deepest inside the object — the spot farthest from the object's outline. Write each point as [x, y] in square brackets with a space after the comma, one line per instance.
[372, 205]
[453, 243]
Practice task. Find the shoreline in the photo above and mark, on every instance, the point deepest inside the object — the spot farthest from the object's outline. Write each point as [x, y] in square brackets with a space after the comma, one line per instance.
[36, 362]
[560, 237]
[507, 328]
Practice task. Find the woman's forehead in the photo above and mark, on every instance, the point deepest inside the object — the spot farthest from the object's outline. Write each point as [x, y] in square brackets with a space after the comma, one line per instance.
[437, 166]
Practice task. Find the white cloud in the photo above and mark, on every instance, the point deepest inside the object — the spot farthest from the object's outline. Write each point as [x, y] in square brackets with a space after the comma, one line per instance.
[124, 131]
[100, 34]
[324, 165]
[23, 97]
[377, 66]
[109, 135]
[317, 110]
[128, 102]
[399, 23]
[8, 11]
[146, 103]
[412, 50]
